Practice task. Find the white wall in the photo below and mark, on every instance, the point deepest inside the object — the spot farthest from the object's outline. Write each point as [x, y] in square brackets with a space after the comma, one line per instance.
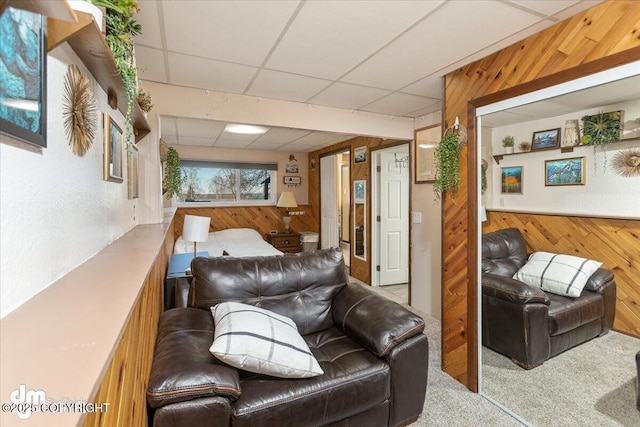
[56, 211]
[426, 240]
[604, 194]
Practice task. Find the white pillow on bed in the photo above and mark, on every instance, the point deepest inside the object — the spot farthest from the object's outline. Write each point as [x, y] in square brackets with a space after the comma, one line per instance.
[212, 246]
[237, 234]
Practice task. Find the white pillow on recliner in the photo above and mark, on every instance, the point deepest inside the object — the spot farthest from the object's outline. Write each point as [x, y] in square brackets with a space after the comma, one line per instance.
[559, 274]
[261, 341]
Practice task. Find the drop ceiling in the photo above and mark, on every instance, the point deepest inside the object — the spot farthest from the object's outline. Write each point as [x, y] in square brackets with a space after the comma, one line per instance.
[385, 57]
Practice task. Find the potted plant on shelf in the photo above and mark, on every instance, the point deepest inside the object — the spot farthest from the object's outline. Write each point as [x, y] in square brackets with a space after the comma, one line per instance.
[525, 146]
[447, 162]
[508, 143]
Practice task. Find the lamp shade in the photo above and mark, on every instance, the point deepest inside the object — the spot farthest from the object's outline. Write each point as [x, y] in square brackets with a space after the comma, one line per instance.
[287, 200]
[195, 228]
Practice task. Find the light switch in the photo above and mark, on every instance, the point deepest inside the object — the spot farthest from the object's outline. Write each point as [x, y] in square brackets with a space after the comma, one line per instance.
[416, 217]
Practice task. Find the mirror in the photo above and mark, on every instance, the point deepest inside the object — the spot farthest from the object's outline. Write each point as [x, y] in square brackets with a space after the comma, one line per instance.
[501, 380]
[359, 219]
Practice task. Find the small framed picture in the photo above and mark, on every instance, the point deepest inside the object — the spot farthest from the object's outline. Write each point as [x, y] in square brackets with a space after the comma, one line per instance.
[564, 171]
[291, 168]
[512, 179]
[545, 139]
[112, 150]
[360, 155]
[292, 180]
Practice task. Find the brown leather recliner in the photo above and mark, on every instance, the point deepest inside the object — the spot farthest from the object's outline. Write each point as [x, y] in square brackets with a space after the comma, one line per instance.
[524, 322]
[372, 350]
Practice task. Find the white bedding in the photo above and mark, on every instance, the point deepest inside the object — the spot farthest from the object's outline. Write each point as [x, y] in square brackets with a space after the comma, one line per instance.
[237, 242]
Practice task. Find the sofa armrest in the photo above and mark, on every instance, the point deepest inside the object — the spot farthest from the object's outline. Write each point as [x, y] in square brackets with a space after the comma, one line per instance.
[183, 368]
[377, 323]
[512, 290]
[183, 287]
[600, 278]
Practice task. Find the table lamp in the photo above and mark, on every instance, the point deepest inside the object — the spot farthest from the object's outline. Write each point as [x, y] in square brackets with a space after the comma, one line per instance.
[287, 200]
[195, 229]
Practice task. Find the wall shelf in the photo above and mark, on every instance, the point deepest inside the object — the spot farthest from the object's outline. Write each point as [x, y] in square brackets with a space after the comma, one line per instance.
[88, 42]
[498, 157]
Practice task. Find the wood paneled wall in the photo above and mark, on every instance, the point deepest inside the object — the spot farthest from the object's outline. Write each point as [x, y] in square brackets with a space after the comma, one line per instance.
[614, 242]
[601, 37]
[359, 269]
[260, 218]
[124, 385]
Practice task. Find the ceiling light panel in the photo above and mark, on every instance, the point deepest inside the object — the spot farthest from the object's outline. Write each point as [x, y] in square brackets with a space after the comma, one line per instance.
[328, 38]
[208, 74]
[235, 31]
[234, 128]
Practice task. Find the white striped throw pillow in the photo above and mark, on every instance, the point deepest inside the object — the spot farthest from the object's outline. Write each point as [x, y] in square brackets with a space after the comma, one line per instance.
[261, 341]
[559, 274]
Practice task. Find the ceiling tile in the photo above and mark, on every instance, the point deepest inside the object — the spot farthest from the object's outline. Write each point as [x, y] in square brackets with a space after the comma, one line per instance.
[343, 95]
[317, 138]
[194, 140]
[200, 128]
[399, 104]
[281, 136]
[150, 63]
[576, 8]
[170, 139]
[426, 110]
[327, 39]
[231, 143]
[208, 74]
[432, 86]
[464, 27]
[290, 87]
[235, 31]
[168, 126]
[264, 146]
[545, 7]
[151, 24]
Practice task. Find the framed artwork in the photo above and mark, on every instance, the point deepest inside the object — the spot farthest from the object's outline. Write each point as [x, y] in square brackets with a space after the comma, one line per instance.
[564, 171]
[359, 191]
[292, 180]
[602, 128]
[112, 150]
[360, 155]
[426, 140]
[23, 89]
[291, 168]
[511, 179]
[545, 139]
[132, 171]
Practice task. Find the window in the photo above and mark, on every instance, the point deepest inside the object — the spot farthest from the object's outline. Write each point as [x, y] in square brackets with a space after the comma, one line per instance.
[227, 182]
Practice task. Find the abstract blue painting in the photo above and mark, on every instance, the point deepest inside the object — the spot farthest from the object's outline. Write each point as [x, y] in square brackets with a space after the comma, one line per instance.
[23, 75]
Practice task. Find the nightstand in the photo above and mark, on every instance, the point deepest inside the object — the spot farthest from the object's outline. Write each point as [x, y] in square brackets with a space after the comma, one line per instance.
[178, 265]
[285, 242]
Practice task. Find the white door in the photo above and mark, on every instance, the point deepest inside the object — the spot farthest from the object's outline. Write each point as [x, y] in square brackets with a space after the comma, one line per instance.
[394, 220]
[329, 224]
[346, 203]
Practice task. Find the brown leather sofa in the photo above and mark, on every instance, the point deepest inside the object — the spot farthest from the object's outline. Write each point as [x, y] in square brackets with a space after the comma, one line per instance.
[372, 350]
[524, 322]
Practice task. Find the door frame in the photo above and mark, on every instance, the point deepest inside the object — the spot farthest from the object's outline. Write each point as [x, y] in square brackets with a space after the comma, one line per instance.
[327, 154]
[375, 195]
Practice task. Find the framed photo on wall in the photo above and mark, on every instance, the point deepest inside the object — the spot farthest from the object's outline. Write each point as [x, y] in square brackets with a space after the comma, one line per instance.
[564, 171]
[426, 141]
[360, 155]
[511, 179]
[112, 150]
[544, 139]
[132, 171]
[23, 90]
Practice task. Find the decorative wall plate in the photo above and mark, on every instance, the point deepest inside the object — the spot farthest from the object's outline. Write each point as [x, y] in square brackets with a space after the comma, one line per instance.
[78, 111]
[627, 163]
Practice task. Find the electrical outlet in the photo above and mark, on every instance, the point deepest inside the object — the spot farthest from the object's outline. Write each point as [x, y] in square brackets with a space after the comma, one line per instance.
[416, 217]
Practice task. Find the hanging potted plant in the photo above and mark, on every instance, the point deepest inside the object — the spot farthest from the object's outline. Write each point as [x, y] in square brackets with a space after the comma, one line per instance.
[172, 182]
[447, 162]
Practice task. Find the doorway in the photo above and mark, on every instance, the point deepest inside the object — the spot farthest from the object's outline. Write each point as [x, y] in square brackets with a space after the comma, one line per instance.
[390, 217]
[335, 198]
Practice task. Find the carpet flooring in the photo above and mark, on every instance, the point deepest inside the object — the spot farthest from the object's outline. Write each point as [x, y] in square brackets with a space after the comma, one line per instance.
[590, 385]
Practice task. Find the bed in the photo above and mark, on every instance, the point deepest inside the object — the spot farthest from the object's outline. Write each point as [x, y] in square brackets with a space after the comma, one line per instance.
[237, 242]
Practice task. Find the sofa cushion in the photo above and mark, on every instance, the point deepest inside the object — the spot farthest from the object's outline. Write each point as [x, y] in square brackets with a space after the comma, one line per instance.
[503, 252]
[354, 381]
[559, 274]
[260, 341]
[566, 314]
[300, 287]
[182, 368]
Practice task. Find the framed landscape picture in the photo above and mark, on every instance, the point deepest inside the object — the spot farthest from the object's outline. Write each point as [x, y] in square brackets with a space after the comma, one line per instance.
[564, 171]
[112, 150]
[23, 84]
[511, 179]
[426, 139]
[545, 139]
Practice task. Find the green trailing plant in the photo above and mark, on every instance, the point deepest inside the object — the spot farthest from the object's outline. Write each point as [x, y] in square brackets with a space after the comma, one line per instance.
[447, 160]
[599, 130]
[483, 176]
[173, 178]
[508, 141]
